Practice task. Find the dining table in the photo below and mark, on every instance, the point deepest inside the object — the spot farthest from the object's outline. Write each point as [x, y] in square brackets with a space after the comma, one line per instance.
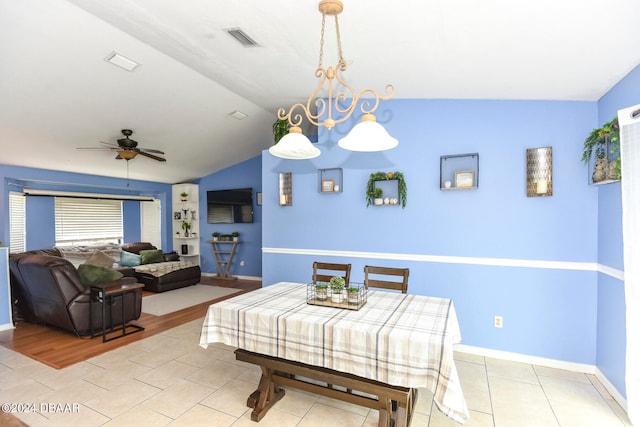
[387, 349]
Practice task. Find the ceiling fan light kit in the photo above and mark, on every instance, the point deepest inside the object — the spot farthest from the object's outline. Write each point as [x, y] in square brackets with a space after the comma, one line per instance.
[365, 136]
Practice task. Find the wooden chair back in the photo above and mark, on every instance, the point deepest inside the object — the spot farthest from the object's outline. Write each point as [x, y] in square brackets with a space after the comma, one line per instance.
[400, 276]
[324, 271]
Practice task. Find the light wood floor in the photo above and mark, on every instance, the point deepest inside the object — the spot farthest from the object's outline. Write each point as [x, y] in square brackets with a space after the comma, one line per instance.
[59, 349]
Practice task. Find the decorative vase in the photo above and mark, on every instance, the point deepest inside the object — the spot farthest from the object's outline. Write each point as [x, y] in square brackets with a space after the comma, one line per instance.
[321, 294]
[337, 297]
[352, 298]
[377, 201]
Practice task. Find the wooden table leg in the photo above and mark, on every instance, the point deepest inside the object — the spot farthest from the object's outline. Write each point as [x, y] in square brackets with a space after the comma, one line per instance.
[265, 396]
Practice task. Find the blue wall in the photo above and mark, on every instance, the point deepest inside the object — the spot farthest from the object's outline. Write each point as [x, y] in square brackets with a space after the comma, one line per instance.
[243, 175]
[474, 246]
[493, 250]
[611, 301]
[40, 221]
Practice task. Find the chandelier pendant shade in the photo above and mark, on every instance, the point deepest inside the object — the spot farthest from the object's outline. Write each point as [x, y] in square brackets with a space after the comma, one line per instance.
[332, 107]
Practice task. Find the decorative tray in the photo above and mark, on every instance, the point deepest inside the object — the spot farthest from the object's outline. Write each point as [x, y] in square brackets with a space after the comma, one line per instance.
[351, 298]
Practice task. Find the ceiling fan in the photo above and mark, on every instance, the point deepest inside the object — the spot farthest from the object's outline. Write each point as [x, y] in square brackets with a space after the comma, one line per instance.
[127, 148]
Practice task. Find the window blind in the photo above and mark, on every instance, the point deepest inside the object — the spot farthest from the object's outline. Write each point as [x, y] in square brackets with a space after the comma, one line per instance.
[86, 221]
[16, 222]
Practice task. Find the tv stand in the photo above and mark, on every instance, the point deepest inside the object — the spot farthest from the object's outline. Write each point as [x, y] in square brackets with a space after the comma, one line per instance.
[223, 254]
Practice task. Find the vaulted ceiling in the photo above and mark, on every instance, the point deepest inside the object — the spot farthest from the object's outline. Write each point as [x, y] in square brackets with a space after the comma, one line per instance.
[58, 93]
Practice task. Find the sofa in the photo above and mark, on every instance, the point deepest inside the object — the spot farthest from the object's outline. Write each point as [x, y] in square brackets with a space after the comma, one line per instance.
[169, 274]
[47, 289]
[159, 273]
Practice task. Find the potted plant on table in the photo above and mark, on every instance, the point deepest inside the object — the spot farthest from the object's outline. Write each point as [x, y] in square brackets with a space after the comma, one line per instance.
[602, 144]
[215, 235]
[337, 285]
[184, 196]
[353, 295]
[235, 236]
[321, 291]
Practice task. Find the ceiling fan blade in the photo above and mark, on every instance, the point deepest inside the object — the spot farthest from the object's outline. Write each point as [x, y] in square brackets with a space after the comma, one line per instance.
[151, 156]
[111, 144]
[94, 148]
[151, 150]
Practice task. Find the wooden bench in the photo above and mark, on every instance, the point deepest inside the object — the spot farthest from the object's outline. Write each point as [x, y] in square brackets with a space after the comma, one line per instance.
[394, 404]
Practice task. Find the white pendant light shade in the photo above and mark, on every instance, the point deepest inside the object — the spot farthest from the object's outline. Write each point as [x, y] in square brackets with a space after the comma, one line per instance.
[294, 145]
[368, 135]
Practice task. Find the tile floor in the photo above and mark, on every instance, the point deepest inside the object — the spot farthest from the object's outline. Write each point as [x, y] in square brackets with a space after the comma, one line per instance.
[168, 380]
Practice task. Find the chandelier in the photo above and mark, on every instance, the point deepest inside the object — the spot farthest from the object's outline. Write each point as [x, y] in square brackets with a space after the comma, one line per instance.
[368, 135]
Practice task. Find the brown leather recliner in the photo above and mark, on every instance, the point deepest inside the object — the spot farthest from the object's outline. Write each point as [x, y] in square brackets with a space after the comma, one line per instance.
[50, 293]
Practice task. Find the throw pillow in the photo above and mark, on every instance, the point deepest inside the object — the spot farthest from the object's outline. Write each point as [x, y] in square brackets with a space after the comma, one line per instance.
[150, 256]
[100, 259]
[127, 259]
[93, 274]
[171, 256]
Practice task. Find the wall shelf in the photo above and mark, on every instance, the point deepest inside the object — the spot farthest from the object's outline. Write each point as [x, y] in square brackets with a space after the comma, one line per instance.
[186, 211]
[459, 171]
[330, 180]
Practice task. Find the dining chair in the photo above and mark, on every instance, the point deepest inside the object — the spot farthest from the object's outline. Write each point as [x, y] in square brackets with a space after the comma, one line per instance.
[400, 276]
[324, 271]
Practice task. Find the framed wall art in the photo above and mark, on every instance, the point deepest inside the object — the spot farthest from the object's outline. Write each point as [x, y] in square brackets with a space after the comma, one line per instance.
[464, 179]
[327, 185]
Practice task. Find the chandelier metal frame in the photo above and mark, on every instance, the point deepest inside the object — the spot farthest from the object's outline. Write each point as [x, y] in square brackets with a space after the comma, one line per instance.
[325, 107]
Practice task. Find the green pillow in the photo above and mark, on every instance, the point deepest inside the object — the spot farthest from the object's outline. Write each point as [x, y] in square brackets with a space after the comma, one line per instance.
[93, 274]
[151, 256]
[128, 259]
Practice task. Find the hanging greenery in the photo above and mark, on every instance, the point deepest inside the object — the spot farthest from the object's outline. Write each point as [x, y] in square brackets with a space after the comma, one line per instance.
[597, 141]
[387, 176]
[280, 129]
[596, 146]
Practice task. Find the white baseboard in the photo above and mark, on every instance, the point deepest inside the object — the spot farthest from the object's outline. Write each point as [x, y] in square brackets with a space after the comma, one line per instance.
[549, 363]
[6, 327]
[612, 390]
[213, 275]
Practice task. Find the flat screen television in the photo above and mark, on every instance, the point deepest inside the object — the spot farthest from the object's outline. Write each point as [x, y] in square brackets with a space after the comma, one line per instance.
[230, 206]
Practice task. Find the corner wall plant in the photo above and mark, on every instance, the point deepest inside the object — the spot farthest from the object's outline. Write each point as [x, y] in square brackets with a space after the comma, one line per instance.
[386, 176]
[596, 146]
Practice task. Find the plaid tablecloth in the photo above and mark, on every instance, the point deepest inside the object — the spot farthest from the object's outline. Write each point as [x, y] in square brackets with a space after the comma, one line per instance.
[398, 339]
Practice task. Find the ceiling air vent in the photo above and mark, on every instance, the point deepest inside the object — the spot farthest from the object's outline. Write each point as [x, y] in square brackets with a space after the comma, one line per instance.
[242, 37]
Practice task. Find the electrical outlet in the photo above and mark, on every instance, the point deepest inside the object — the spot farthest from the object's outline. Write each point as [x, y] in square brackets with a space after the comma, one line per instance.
[241, 263]
[497, 321]
[204, 261]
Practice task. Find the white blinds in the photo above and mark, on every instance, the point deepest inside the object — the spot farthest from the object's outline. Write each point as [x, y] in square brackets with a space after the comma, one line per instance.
[81, 221]
[150, 223]
[16, 222]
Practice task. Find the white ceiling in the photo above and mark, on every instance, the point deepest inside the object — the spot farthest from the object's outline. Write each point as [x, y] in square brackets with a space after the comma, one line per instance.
[58, 93]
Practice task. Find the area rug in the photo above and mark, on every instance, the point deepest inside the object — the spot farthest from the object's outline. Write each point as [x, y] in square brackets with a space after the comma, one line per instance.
[170, 301]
